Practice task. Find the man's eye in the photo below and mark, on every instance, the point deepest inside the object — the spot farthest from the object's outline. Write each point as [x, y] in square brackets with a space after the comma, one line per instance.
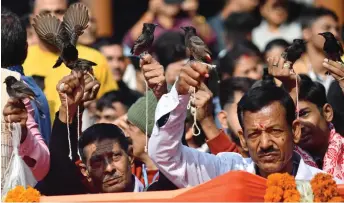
[116, 157]
[304, 114]
[253, 135]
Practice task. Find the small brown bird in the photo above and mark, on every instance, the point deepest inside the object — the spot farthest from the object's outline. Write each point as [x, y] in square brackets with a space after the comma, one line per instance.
[64, 35]
[332, 47]
[144, 41]
[197, 48]
[19, 90]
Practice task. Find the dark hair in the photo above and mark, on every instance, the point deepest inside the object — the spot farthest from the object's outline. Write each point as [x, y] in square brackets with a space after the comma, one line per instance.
[229, 86]
[115, 96]
[261, 96]
[312, 14]
[276, 42]
[169, 48]
[99, 132]
[32, 4]
[13, 39]
[313, 92]
[106, 41]
[239, 24]
[228, 62]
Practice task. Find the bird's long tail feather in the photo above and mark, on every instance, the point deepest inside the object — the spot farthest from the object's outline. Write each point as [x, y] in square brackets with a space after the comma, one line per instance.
[39, 107]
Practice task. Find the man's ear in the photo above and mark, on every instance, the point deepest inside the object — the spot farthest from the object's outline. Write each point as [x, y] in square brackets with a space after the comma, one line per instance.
[222, 116]
[242, 140]
[328, 112]
[84, 172]
[297, 131]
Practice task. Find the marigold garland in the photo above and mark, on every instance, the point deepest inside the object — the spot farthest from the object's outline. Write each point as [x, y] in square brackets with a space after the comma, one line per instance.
[282, 188]
[325, 188]
[20, 194]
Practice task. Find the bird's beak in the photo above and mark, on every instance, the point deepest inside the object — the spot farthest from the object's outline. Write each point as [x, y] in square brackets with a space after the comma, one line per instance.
[183, 28]
[156, 25]
[322, 34]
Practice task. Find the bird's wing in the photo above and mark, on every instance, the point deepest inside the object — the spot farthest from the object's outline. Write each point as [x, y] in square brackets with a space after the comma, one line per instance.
[196, 41]
[138, 41]
[21, 87]
[49, 29]
[75, 21]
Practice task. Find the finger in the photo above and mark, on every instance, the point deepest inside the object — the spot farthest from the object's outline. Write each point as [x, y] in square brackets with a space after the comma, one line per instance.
[188, 80]
[191, 73]
[156, 80]
[154, 73]
[200, 68]
[152, 67]
[333, 69]
[12, 118]
[334, 64]
[281, 62]
[146, 59]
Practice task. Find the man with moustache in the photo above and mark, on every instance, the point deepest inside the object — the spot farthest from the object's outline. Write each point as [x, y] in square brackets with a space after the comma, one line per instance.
[269, 131]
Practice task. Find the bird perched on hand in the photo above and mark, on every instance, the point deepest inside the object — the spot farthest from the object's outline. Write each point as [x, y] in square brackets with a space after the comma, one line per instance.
[64, 35]
[144, 41]
[197, 48]
[294, 52]
[332, 47]
[19, 90]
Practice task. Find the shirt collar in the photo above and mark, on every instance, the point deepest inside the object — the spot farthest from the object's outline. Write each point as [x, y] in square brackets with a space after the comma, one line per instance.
[18, 69]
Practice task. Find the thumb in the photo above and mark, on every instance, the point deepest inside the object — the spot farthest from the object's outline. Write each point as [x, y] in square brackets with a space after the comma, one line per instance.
[146, 59]
[203, 87]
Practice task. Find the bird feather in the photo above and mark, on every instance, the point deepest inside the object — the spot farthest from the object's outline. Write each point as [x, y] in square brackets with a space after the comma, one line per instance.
[75, 21]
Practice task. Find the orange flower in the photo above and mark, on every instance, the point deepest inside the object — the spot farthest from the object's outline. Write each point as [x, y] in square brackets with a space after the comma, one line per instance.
[20, 194]
[273, 194]
[291, 196]
[324, 188]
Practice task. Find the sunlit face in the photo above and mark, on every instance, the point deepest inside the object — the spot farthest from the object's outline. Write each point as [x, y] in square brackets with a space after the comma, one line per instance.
[169, 10]
[275, 15]
[268, 137]
[248, 66]
[109, 167]
[322, 24]
[115, 59]
[314, 129]
[53, 7]
[109, 115]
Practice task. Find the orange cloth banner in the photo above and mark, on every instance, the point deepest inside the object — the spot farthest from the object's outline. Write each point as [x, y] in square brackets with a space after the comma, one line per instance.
[236, 186]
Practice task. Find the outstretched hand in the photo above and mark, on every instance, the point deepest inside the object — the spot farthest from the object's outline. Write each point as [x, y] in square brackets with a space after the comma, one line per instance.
[336, 70]
[191, 76]
[71, 91]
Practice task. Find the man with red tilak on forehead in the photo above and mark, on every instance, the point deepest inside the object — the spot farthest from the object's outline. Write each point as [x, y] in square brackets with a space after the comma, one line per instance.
[269, 131]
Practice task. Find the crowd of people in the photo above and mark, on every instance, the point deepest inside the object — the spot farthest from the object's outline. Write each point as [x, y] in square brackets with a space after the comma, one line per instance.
[127, 127]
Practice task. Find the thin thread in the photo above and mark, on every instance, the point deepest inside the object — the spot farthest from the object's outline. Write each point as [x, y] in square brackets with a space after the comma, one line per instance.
[146, 147]
[78, 121]
[195, 129]
[70, 145]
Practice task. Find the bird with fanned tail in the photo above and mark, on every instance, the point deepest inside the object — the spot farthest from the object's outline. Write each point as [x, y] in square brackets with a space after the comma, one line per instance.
[64, 35]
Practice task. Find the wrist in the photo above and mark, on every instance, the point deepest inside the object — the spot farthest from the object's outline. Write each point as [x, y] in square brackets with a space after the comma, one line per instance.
[63, 114]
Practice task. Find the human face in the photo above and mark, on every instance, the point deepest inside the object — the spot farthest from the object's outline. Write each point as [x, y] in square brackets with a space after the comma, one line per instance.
[109, 115]
[169, 10]
[54, 7]
[108, 166]
[138, 140]
[322, 24]
[247, 66]
[268, 138]
[315, 130]
[115, 59]
[273, 12]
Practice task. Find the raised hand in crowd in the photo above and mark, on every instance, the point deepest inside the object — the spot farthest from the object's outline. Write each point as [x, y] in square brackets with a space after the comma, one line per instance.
[92, 86]
[191, 76]
[15, 112]
[153, 73]
[336, 70]
[71, 92]
[122, 123]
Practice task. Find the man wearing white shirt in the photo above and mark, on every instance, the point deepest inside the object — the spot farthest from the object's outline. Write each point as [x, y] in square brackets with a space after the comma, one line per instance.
[269, 131]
